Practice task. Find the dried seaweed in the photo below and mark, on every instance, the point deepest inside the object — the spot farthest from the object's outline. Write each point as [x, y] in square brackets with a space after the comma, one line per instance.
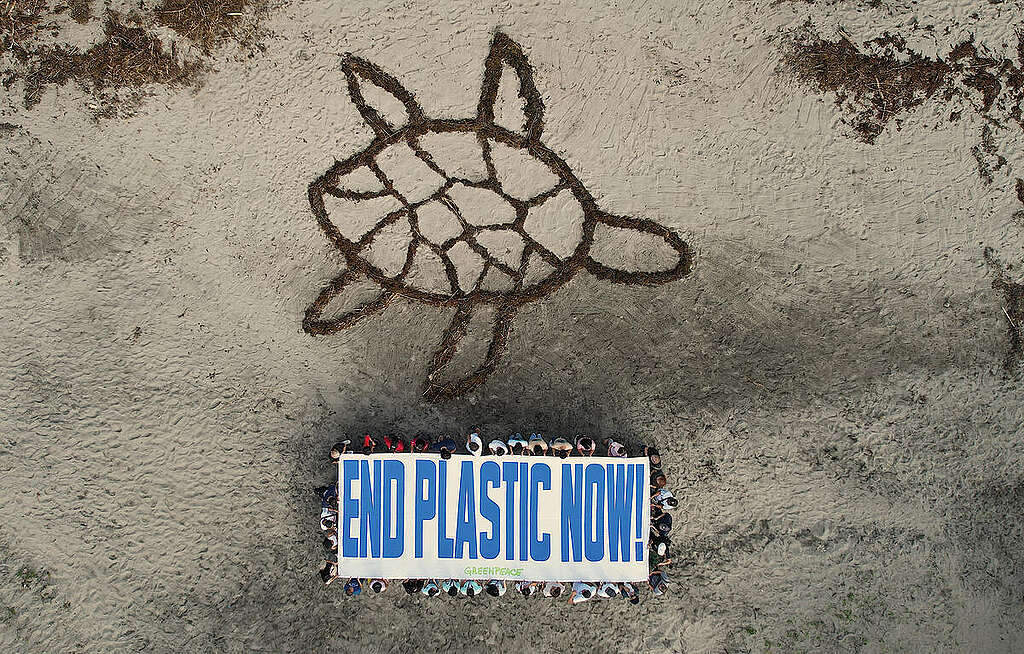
[878, 82]
[878, 87]
[207, 23]
[128, 57]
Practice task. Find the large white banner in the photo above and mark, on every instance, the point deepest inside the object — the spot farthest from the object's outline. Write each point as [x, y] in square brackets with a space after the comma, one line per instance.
[419, 516]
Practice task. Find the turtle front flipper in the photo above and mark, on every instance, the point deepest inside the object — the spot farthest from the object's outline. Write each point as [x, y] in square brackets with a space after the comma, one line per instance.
[314, 322]
[437, 391]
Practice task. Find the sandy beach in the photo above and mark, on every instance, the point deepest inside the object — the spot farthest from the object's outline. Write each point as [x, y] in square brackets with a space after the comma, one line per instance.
[835, 387]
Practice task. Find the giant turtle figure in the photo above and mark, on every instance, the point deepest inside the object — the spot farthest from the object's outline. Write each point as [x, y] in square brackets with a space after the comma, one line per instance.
[497, 216]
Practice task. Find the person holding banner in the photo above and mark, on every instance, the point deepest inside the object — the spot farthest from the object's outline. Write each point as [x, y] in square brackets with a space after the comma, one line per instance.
[474, 444]
[585, 445]
[517, 444]
[431, 589]
[561, 447]
[552, 589]
[538, 446]
[581, 592]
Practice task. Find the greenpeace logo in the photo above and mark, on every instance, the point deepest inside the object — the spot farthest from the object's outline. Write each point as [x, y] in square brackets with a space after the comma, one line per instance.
[472, 571]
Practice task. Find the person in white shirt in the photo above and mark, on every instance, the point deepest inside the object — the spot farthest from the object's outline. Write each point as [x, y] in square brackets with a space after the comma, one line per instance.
[517, 444]
[607, 590]
[553, 589]
[527, 588]
[665, 500]
[581, 592]
[538, 446]
[474, 445]
[561, 447]
[498, 447]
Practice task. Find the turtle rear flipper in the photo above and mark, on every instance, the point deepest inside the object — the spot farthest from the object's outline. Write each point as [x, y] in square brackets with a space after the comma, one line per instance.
[454, 336]
[315, 323]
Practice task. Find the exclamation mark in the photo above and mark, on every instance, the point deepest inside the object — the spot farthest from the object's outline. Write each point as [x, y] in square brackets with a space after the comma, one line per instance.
[638, 491]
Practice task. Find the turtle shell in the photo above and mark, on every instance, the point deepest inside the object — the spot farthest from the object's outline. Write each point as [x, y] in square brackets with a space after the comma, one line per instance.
[450, 212]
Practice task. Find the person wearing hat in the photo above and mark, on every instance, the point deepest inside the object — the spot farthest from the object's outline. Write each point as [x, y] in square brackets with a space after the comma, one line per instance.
[660, 545]
[328, 520]
[561, 447]
[378, 585]
[498, 447]
[517, 444]
[538, 446]
[662, 524]
[581, 592]
[474, 444]
[585, 445]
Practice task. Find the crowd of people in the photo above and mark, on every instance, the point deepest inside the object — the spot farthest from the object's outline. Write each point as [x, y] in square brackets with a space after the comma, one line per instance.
[662, 503]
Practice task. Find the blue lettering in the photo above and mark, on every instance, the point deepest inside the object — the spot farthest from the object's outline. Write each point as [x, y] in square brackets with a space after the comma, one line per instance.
[540, 477]
[394, 540]
[369, 508]
[349, 509]
[620, 505]
[490, 475]
[593, 512]
[524, 497]
[509, 475]
[445, 544]
[572, 512]
[425, 506]
[465, 527]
